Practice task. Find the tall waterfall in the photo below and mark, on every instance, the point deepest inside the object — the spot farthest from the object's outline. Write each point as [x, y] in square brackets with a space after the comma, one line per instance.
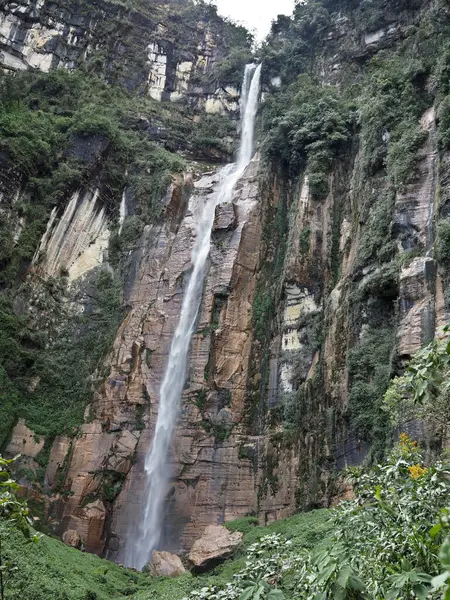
[146, 535]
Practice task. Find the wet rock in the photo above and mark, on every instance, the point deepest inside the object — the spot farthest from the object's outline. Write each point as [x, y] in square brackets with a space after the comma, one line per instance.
[215, 545]
[165, 564]
[225, 218]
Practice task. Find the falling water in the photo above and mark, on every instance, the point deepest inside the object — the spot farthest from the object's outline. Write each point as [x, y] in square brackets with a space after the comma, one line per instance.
[122, 211]
[146, 536]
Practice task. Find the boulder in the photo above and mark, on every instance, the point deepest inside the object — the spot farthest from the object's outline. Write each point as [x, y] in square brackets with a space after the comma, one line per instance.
[71, 538]
[215, 545]
[164, 564]
[225, 217]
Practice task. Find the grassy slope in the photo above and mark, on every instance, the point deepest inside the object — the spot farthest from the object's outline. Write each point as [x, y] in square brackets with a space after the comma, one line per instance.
[49, 570]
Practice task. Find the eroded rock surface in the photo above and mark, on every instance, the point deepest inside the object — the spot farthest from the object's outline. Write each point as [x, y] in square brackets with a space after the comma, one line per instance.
[71, 538]
[165, 564]
[215, 545]
[139, 48]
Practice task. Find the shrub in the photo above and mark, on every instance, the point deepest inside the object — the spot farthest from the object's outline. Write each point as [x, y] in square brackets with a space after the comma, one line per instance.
[422, 393]
[307, 126]
[443, 242]
[370, 367]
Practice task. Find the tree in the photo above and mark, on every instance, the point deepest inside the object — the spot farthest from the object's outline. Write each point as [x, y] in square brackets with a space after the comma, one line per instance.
[14, 511]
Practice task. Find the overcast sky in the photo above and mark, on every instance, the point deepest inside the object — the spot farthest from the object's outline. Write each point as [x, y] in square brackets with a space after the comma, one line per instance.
[255, 14]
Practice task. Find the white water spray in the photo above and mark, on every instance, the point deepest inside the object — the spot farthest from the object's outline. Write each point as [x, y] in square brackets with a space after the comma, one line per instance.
[147, 533]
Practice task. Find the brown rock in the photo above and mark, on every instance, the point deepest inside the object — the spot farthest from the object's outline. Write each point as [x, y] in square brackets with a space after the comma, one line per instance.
[71, 538]
[24, 441]
[89, 522]
[225, 218]
[58, 454]
[216, 543]
[165, 564]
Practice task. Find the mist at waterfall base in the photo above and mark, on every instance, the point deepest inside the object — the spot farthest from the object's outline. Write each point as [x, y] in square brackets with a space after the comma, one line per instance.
[145, 532]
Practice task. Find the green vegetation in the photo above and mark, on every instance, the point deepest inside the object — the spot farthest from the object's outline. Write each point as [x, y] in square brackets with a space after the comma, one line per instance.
[213, 134]
[392, 100]
[422, 393]
[400, 506]
[376, 240]
[443, 242]
[305, 127]
[49, 570]
[370, 369]
[382, 544]
[61, 362]
[14, 516]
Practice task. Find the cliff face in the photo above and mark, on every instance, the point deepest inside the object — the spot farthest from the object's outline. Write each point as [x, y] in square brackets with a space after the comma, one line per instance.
[326, 272]
[137, 46]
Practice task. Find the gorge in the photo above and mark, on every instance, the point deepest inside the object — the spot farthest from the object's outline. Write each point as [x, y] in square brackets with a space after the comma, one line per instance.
[186, 341]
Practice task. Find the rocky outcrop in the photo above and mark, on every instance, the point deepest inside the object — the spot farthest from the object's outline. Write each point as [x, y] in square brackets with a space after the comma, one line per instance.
[77, 240]
[164, 564]
[140, 49]
[215, 545]
[71, 538]
[24, 441]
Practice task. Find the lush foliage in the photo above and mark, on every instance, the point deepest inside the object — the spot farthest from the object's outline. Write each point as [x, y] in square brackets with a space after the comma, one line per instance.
[14, 515]
[51, 570]
[422, 393]
[307, 125]
[60, 361]
[370, 366]
[382, 544]
[385, 543]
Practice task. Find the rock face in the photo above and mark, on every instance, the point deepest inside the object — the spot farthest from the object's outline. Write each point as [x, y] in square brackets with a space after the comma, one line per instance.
[24, 441]
[77, 241]
[139, 50]
[216, 544]
[164, 564]
[289, 307]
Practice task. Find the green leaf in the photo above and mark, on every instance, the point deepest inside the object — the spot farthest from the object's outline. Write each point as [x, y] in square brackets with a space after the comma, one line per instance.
[435, 530]
[275, 595]
[344, 576]
[438, 581]
[248, 593]
[444, 553]
[258, 593]
[355, 583]
[421, 591]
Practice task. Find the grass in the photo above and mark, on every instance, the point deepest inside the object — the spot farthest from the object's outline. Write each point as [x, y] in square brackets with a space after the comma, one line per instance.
[50, 570]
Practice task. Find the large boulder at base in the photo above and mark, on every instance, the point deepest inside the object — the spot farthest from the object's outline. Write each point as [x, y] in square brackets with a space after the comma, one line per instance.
[71, 538]
[164, 564]
[215, 545]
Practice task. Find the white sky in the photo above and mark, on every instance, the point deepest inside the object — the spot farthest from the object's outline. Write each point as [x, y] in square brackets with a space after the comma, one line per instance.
[255, 14]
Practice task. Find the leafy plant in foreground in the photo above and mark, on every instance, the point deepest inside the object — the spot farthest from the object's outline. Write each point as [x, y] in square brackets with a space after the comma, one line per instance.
[423, 391]
[15, 512]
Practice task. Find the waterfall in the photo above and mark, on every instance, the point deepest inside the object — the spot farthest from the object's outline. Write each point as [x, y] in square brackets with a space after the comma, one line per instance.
[146, 535]
[122, 211]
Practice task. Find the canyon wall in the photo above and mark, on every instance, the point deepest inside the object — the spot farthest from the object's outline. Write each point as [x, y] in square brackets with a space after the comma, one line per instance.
[327, 272]
[139, 48]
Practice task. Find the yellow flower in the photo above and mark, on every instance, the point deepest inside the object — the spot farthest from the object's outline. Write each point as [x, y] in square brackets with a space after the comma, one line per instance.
[417, 471]
[407, 445]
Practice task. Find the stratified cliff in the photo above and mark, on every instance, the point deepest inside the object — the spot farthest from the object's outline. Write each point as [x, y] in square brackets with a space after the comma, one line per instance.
[327, 271]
